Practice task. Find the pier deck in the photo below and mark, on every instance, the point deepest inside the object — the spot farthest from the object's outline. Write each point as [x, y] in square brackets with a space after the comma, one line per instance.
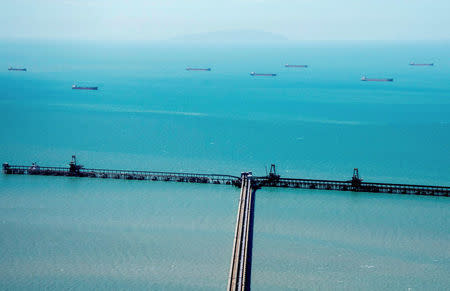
[240, 268]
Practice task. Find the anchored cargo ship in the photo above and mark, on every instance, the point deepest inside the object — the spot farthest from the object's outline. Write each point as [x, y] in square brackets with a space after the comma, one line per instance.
[377, 79]
[266, 75]
[198, 69]
[414, 64]
[295, 66]
[17, 69]
[84, 88]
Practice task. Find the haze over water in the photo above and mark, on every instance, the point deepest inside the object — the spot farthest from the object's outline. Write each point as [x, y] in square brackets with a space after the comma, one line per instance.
[150, 113]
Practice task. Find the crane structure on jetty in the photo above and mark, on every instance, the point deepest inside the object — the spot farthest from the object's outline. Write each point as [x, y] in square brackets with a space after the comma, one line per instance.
[356, 184]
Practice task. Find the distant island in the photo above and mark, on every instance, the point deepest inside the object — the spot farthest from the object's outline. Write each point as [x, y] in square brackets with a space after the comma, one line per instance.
[232, 36]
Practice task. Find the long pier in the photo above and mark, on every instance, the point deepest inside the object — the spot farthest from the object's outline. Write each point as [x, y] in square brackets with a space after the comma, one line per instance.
[356, 184]
[240, 268]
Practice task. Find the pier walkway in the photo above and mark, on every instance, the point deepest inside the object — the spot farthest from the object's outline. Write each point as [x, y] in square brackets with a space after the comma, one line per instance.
[240, 268]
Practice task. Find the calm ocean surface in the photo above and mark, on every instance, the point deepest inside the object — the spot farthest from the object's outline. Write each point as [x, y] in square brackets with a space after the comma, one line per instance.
[150, 113]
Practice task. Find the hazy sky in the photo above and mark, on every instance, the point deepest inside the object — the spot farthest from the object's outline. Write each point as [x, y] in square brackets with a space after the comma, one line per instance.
[165, 19]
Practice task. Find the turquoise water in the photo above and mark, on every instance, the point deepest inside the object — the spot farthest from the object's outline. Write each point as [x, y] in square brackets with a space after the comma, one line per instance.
[96, 234]
[327, 240]
[149, 113]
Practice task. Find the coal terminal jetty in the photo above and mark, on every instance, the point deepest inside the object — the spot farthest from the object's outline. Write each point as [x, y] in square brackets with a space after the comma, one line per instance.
[356, 184]
[239, 277]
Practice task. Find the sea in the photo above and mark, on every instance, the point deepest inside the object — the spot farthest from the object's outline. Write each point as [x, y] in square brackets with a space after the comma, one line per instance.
[150, 113]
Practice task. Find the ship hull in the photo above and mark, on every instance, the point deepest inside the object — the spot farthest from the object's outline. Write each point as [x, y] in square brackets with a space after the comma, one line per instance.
[378, 80]
[262, 75]
[364, 79]
[85, 88]
[421, 65]
[198, 69]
